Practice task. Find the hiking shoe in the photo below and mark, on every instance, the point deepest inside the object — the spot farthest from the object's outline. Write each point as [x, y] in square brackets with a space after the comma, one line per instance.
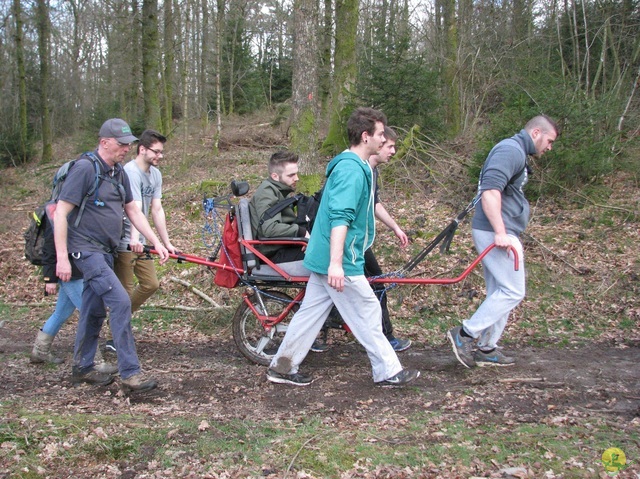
[296, 379]
[462, 347]
[105, 367]
[91, 376]
[319, 346]
[138, 383]
[110, 346]
[400, 344]
[494, 358]
[403, 378]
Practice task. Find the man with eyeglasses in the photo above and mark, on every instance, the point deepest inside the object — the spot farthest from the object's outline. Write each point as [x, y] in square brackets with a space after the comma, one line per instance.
[91, 244]
[146, 186]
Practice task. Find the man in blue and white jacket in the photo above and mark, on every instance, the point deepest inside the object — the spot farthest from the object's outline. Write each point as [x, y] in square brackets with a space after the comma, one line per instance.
[501, 216]
[343, 230]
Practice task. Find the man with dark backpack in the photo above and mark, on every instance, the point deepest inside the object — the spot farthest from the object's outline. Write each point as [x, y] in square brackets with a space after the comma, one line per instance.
[268, 219]
[91, 244]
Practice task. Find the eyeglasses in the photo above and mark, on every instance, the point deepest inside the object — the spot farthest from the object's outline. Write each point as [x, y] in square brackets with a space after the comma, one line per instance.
[157, 152]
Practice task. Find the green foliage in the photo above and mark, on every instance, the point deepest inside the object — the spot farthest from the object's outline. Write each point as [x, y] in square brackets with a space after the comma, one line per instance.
[11, 149]
[309, 184]
[404, 88]
[336, 140]
[584, 152]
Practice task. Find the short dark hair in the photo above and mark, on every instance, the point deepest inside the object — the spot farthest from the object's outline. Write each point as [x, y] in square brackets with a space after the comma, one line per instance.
[390, 134]
[148, 138]
[281, 158]
[363, 119]
[544, 122]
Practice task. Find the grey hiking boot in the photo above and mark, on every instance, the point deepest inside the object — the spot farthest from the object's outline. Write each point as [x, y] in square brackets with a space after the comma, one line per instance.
[138, 383]
[403, 378]
[462, 346]
[91, 376]
[41, 352]
[493, 358]
[103, 366]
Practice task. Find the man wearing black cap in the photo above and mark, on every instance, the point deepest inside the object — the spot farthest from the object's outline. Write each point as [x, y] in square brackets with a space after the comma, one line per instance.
[90, 242]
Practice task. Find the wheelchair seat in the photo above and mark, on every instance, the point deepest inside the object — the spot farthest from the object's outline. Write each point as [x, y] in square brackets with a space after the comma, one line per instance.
[251, 263]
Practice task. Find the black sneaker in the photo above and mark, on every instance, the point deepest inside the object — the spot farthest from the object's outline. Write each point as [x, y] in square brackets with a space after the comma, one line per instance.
[399, 345]
[90, 377]
[462, 347]
[319, 346]
[403, 378]
[110, 346]
[296, 379]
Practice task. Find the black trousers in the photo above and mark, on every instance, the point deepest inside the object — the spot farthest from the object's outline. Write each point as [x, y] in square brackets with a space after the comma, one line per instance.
[372, 268]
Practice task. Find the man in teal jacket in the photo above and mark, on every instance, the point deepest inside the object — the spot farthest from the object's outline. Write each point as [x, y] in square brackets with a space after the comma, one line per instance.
[344, 229]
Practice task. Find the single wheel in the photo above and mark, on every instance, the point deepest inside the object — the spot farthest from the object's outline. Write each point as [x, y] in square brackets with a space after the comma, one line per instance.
[253, 341]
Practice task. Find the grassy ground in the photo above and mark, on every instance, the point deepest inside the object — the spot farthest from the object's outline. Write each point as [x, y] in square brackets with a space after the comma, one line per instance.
[220, 419]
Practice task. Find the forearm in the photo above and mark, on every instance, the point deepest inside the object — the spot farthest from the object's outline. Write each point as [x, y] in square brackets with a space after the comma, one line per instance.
[383, 215]
[336, 248]
[60, 236]
[492, 207]
[140, 223]
[160, 222]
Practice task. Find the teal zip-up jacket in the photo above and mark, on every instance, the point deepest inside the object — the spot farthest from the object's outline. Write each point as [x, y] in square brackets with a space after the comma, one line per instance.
[347, 200]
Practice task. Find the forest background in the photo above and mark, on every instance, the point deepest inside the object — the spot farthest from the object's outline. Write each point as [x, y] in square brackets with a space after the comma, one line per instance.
[230, 81]
[467, 71]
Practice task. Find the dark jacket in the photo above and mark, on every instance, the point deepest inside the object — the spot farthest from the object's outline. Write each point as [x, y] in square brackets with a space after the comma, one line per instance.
[283, 224]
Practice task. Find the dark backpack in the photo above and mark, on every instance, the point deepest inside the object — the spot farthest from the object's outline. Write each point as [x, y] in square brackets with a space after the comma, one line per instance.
[306, 208]
[34, 235]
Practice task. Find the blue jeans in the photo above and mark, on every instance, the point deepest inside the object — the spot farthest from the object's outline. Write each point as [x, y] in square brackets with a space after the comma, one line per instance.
[103, 289]
[505, 290]
[69, 299]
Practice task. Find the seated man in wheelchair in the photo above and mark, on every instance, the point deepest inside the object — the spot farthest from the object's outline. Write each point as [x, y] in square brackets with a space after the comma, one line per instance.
[281, 183]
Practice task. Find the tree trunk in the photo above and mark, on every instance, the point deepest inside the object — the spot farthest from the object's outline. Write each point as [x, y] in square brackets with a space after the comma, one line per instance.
[341, 102]
[150, 64]
[450, 76]
[219, 30]
[42, 14]
[23, 127]
[169, 58]
[204, 62]
[303, 131]
[324, 74]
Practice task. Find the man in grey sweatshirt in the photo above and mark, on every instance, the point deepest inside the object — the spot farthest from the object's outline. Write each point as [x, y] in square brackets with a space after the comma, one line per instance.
[501, 216]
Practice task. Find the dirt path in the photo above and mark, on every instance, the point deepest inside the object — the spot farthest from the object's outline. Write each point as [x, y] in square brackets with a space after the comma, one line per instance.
[210, 378]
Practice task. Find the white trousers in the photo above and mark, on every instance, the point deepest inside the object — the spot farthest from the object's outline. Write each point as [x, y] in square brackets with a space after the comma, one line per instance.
[505, 290]
[360, 309]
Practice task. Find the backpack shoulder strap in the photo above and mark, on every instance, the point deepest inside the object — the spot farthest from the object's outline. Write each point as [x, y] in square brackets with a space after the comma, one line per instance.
[278, 207]
[99, 176]
[94, 187]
